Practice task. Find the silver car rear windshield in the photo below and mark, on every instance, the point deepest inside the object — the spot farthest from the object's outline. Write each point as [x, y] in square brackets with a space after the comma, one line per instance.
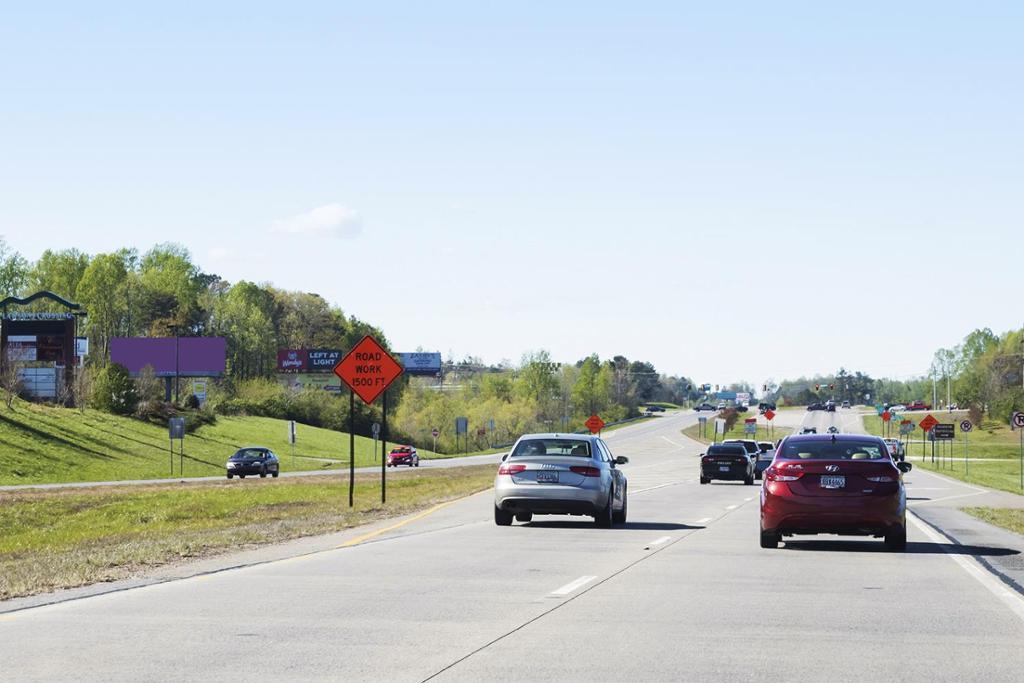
[533, 447]
[834, 450]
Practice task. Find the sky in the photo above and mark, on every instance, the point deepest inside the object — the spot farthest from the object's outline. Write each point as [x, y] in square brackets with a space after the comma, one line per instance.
[734, 191]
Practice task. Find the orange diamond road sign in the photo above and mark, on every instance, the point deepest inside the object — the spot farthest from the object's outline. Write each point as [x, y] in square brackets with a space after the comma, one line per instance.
[594, 424]
[368, 369]
[769, 414]
[886, 416]
[927, 423]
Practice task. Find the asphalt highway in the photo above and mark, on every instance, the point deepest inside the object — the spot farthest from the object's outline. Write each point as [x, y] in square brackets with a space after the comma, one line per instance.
[681, 592]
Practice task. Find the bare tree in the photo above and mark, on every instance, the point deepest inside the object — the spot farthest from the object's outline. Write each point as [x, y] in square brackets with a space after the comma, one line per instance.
[10, 383]
[81, 387]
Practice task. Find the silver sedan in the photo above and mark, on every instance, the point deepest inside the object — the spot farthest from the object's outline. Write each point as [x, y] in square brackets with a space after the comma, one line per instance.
[560, 474]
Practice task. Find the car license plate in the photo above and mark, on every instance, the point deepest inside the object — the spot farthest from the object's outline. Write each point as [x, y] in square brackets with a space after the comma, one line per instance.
[547, 477]
[828, 482]
[723, 468]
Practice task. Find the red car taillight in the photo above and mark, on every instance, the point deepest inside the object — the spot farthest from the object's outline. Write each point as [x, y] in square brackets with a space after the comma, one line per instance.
[586, 471]
[511, 469]
[881, 480]
[784, 472]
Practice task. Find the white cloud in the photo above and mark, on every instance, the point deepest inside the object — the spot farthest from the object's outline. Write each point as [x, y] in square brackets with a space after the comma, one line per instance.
[333, 220]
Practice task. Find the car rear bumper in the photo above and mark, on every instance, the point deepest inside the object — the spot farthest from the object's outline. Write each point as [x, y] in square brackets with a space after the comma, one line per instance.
[737, 473]
[848, 516]
[549, 499]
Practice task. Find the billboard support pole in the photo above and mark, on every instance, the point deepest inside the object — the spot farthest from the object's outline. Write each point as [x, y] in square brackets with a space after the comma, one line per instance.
[351, 447]
[181, 457]
[172, 456]
[383, 449]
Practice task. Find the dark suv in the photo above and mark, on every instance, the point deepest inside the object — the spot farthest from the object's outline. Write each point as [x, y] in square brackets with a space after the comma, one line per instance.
[253, 460]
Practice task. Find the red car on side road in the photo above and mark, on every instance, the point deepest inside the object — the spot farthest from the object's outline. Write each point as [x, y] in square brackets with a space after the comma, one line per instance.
[844, 484]
[403, 455]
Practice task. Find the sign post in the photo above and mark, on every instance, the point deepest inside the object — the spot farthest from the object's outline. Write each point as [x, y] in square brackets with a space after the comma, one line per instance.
[965, 428]
[944, 433]
[375, 430]
[926, 425]
[435, 432]
[291, 439]
[770, 416]
[703, 422]
[176, 430]
[368, 370]
[1018, 424]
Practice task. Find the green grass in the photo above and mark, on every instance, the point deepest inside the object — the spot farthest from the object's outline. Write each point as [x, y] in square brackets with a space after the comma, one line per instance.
[63, 538]
[45, 444]
[989, 439]
[1008, 518]
[736, 432]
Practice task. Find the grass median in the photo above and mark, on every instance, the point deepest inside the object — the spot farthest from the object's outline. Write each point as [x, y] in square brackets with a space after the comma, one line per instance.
[66, 538]
[763, 433]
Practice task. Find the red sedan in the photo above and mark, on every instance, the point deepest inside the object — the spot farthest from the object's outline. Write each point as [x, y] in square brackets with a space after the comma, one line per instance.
[843, 484]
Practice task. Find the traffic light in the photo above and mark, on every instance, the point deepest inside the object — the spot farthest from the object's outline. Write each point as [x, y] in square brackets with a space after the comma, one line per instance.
[831, 387]
[764, 388]
[716, 387]
[817, 387]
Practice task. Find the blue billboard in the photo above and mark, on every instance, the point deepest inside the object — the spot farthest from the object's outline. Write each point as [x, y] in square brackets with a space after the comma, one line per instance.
[421, 363]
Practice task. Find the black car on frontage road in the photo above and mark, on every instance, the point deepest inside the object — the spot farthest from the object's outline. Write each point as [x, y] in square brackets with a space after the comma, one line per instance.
[253, 460]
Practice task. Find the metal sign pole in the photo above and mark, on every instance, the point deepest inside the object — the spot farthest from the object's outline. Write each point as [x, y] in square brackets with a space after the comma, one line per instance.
[181, 457]
[383, 447]
[967, 463]
[172, 456]
[1022, 459]
[351, 447]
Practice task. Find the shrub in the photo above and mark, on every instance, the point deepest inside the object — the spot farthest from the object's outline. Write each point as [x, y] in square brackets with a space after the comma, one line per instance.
[114, 391]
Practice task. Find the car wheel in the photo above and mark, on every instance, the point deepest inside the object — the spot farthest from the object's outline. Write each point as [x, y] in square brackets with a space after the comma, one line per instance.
[769, 540]
[230, 475]
[620, 516]
[276, 472]
[501, 517]
[241, 476]
[603, 518]
[896, 539]
[263, 473]
[524, 516]
[416, 464]
[704, 480]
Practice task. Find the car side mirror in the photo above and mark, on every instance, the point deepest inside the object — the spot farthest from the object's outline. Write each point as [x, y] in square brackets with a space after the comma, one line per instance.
[621, 460]
[505, 457]
[904, 467]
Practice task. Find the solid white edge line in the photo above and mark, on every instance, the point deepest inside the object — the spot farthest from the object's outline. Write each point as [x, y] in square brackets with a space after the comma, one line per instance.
[703, 521]
[731, 507]
[570, 587]
[994, 586]
[659, 486]
[663, 539]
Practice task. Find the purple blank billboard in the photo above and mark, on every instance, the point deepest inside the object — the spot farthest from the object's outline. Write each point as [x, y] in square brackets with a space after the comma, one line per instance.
[184, 356]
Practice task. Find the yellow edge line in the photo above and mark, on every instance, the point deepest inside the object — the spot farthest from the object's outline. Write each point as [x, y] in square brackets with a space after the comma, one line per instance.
[373, 534]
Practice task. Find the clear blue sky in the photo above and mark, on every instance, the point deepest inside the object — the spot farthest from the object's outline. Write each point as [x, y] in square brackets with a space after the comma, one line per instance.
[730, 190]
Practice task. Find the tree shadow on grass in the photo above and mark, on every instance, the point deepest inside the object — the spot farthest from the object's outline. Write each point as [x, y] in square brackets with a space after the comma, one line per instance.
[53, 438]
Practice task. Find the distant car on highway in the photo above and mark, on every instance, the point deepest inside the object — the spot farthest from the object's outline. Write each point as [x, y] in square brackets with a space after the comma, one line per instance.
[253, 460]
[764, 458]
[742, 408]
[830, 406]
[896, 449]
[809, 430]
[765, 406]
[896, 408]
[832, 429]
[918, 405]
[403, 455]
[842, 484]
[846, 404]
[654, 409]
[816, 406]
[721, 406]
[552, 474]
[727, 461]
[705, 406]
